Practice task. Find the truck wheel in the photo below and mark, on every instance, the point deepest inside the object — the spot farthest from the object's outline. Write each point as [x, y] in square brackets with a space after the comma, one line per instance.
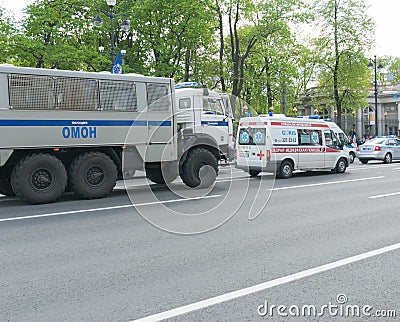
[164, 175]
[388, 158]
[39, 178]
[92, 175]
[254, 173]
[200, 168]
[6, 188]
[352, 157]
[285, 170]
[341, 166]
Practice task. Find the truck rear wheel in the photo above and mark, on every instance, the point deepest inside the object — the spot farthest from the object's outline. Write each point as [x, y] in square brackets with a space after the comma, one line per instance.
[92, 175]
[200, 168]
[6, 188]
[39, 178]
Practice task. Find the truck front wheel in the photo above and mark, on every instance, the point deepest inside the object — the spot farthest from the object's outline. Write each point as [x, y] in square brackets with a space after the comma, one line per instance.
[92, 175]
[39, 178]
[200, 168]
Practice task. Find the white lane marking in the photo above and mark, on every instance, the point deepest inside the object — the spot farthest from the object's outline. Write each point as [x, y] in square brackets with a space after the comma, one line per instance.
[371, 167]
[266, 285]
[385, 195]
[327, 183]
[105, 208]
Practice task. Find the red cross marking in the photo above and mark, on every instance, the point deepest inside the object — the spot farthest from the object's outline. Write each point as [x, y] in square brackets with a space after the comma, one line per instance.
[260, 155]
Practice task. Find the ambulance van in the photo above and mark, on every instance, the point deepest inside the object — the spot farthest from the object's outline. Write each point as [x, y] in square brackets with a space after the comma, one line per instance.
[283, 144]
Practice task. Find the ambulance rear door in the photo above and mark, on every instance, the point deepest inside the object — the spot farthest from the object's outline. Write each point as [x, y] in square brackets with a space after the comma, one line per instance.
[251, 149]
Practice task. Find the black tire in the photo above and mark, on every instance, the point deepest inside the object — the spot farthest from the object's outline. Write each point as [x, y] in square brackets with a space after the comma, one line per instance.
[285, 170]
[39, 178]
[164, 175]
[200, 168]
[352, 157]
[92, 175]
[6, 188]
[341, 166]
[364, 161]
[254, 173]
[388, 158]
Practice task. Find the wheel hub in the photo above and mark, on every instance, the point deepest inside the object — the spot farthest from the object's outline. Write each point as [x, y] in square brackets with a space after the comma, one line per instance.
[41, 179]
[95, 176]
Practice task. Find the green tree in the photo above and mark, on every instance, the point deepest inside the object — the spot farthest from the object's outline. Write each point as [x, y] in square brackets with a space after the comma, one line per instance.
[59, 34]
[6, 29]
[345, 36]
[171, 38]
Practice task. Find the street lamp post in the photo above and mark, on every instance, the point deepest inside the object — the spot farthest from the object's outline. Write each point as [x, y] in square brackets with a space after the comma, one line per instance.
[98, 21]
[373, 63]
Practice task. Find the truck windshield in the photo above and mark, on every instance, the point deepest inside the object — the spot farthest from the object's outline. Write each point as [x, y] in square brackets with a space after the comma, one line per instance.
[252, 136]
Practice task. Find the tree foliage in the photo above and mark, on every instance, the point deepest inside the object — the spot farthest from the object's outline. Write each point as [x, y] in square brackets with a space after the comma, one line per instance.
[248, 48]
[345, 34]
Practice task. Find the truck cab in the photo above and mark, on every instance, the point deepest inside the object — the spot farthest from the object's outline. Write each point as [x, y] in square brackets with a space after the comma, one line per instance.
[206, 115]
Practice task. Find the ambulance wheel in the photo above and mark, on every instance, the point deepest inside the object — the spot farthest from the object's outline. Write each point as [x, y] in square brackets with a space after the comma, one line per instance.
[341, 166]
[254, 173]
[364, 161]
[39, 178]
[6, 188]
[200, 168]
[352, 157]
[92, 175]
[164, 174]
[285, 170]
[388, 158]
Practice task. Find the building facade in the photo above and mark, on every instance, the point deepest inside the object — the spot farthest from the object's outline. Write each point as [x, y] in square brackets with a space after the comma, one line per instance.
[388, 112]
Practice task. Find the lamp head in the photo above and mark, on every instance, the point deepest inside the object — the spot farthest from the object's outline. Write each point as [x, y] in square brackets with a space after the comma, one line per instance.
[111, 3]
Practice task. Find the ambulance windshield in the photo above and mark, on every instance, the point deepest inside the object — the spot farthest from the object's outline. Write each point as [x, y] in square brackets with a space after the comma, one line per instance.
[252, 136]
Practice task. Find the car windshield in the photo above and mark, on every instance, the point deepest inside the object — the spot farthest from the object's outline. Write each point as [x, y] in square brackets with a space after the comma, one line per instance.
[376, 141]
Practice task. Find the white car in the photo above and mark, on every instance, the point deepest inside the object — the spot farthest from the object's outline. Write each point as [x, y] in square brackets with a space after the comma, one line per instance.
[380, 148]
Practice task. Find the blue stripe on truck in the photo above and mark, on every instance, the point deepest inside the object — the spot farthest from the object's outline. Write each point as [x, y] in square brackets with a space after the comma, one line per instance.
[214, 123]
[83, 123]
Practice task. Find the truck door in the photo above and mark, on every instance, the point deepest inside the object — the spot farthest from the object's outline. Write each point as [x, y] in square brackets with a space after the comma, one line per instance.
[214, 121]
[160, 123]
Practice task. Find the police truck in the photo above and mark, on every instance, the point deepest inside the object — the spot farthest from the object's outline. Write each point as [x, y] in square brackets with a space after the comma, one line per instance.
[81, 131]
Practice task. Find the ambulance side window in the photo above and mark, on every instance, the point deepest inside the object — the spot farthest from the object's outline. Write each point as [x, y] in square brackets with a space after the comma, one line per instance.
[310, 137]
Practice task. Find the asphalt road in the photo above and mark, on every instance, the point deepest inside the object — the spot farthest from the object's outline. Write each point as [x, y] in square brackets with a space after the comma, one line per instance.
[105, 260]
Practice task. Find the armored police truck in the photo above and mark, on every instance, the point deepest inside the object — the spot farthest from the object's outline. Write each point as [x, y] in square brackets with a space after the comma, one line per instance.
[79, 131]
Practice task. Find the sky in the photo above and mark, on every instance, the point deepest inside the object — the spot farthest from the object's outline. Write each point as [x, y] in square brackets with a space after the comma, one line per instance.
[385, 13]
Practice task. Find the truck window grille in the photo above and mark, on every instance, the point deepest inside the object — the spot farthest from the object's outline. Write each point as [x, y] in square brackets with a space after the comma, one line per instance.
[31, 92]
[52, 93]
[118, 95]
[158, 97]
